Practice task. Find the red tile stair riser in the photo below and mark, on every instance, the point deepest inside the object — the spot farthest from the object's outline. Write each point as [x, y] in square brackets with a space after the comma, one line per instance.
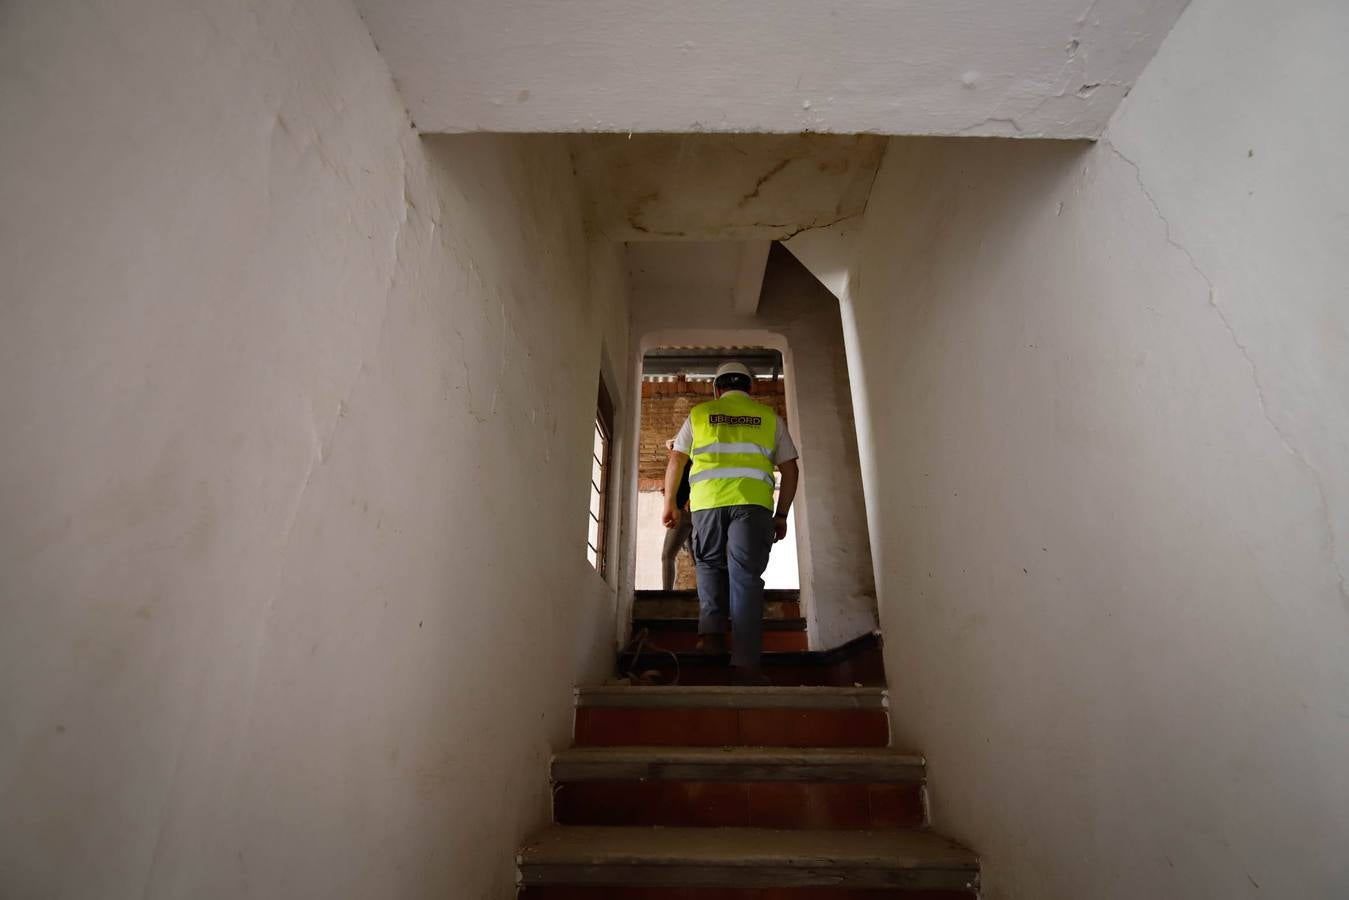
[598, 726]
[601, 726]
[789, 676]
[814, 728]
[862, 665]
[635, 803]
[763, 804]
[785, 609]
[773, 641]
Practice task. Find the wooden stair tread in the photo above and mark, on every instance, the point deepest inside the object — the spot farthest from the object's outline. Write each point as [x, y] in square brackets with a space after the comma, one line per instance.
[744, 857]
[731, 696]
[875, 765]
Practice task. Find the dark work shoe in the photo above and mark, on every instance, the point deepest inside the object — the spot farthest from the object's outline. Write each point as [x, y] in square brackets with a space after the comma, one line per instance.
[711, 644]
[749, 677]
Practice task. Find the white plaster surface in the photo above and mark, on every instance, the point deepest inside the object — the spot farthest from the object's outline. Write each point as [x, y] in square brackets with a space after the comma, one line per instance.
[1106, 388]
[830, 252]
[293, 476]
[650, 538]
[1051, 68]
[682, 296]
[749, 278]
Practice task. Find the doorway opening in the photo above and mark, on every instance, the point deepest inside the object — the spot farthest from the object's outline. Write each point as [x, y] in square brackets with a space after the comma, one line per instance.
[674, 380]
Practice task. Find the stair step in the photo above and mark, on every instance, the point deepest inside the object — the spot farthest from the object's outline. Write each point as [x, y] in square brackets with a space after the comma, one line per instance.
[737, 764]
[740, 804]
[685, 606]
[666, 696]
[685, 640]
[738, 786]
[857, 662]
[794, 623]
[722, 716]
[681, 635]
[770, 594]
[744, 858]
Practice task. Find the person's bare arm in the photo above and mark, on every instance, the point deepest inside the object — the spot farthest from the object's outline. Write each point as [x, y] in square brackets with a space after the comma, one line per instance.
[674, 472]
[791, 475]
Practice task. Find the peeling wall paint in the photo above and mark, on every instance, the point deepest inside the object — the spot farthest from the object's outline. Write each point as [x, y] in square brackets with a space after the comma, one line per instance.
[294, 478]
[1020, 68]
[709, 187]
[1105, 386]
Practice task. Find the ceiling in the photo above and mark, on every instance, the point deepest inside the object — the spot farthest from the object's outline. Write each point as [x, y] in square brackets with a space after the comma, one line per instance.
[1023, 68]
[720, 187]
[700, 363]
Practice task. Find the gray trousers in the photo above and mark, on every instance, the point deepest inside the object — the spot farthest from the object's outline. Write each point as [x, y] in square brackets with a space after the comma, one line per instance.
[731, 546]
[675, 540]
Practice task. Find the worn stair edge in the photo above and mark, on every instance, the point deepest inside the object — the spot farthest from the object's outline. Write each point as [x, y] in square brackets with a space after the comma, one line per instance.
[670, 696]
[745, 857]
[822, 658]
[735, 764]
[672, 624]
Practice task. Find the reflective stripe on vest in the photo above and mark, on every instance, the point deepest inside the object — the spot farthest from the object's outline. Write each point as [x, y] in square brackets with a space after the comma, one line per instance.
[734, 439]
[731, 472]
[732, 447]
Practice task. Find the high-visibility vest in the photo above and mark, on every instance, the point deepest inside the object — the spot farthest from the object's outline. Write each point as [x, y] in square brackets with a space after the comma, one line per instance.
[733, 443]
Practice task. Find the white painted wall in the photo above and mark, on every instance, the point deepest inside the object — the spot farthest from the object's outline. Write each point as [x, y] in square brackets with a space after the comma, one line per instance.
[1107, 387]
[293, 475]
[650, 534]
[683, 295]
[1054, 68]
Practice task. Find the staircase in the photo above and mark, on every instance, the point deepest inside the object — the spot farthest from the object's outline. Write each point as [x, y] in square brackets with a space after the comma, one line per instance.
[670, 619]
[715, 792]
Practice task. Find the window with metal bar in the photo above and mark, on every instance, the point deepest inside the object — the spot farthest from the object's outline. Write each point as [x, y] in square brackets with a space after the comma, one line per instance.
[598, 521]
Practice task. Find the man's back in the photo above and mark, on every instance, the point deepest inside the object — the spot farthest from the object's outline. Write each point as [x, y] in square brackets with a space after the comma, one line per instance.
[734, 442]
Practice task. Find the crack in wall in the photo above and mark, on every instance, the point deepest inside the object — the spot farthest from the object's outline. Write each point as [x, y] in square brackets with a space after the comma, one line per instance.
[764, 179]
[1059, 84]
[637, 211]
[325, 442]
[1330, 543]
[468, 378]
[814, 226]
[1007, 120]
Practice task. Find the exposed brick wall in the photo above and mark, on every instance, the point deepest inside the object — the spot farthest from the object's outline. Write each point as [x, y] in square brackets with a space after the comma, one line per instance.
[665, 406]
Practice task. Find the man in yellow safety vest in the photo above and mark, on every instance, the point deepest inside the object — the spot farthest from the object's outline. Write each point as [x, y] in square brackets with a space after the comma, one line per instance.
[734, 443]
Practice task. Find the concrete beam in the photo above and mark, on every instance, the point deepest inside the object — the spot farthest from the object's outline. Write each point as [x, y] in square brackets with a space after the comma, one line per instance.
[1016, 68]
[722, 187]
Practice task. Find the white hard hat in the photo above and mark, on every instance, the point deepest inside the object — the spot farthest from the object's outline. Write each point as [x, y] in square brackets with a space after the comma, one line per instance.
[732, 368]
